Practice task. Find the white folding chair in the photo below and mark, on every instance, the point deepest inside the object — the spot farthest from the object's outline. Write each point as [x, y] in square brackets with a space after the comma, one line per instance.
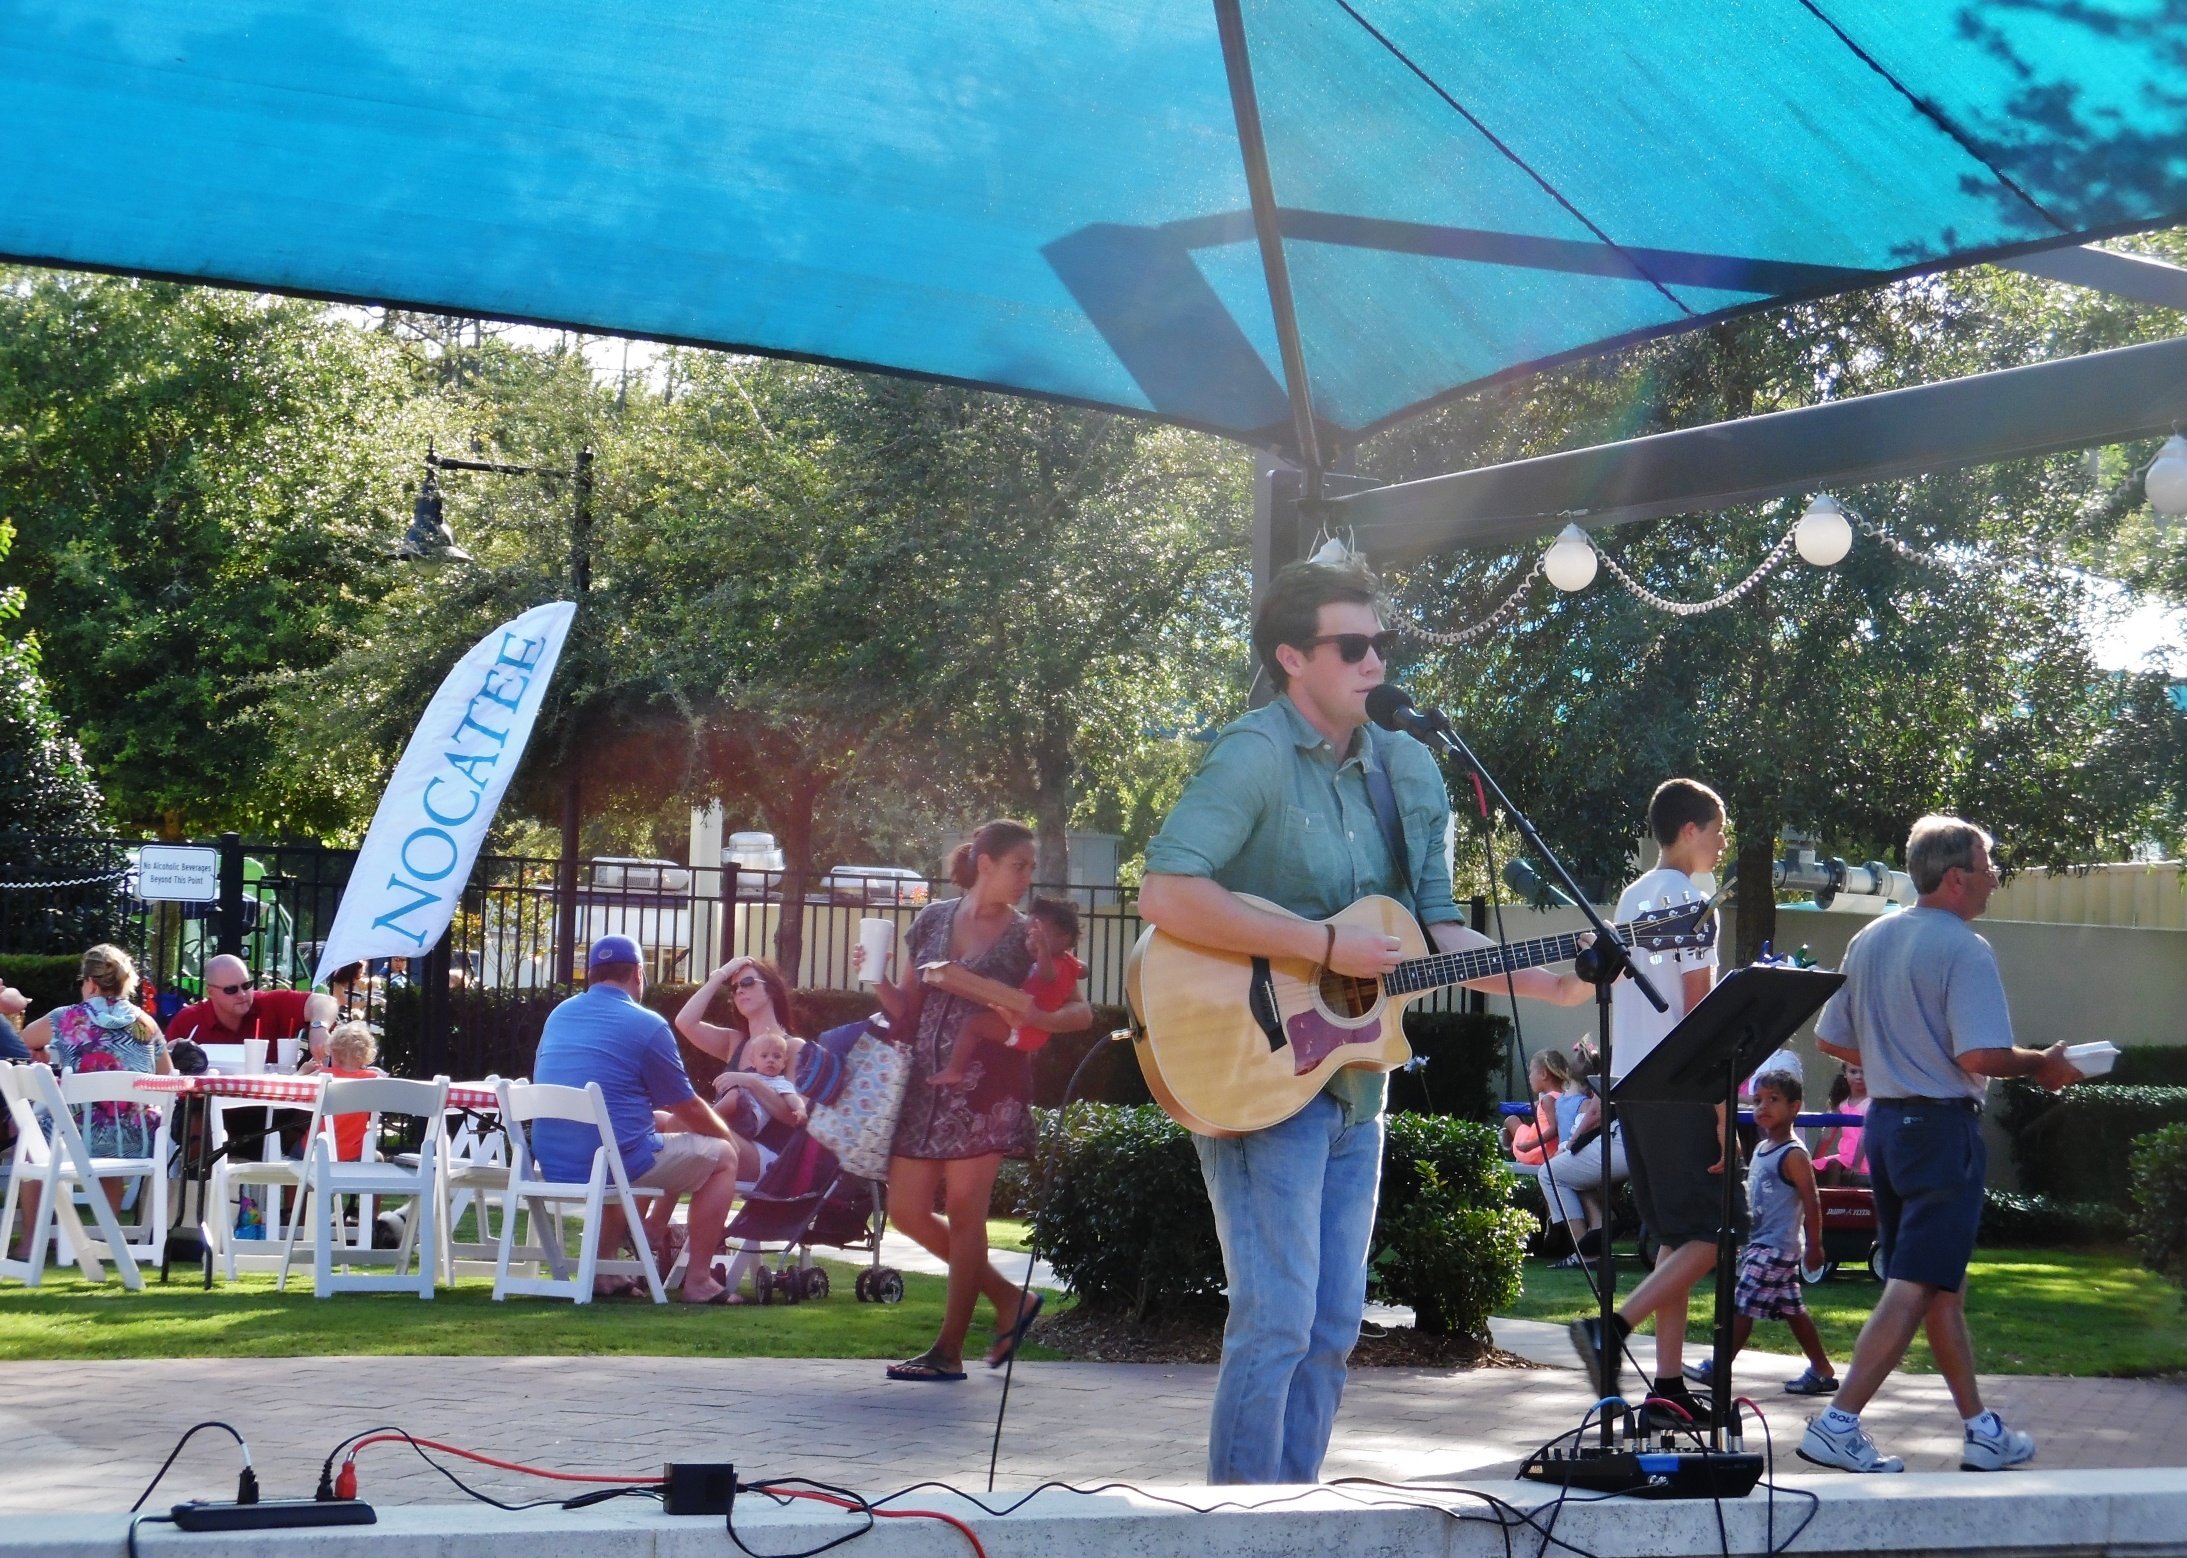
[328, 1179]
[475, 1179]
[152, 1135]
[69, 1167]
[28, 1162]
[281, 1178]
[521, 1104]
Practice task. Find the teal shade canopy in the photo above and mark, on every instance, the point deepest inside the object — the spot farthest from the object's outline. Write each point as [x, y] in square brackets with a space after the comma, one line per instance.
[1048, 196]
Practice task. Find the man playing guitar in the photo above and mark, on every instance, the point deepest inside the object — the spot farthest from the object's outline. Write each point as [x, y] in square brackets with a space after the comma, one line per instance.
[1282, 809]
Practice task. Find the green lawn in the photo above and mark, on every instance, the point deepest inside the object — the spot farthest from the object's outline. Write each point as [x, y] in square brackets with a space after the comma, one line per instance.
[2031, 1311]
[70, 1318]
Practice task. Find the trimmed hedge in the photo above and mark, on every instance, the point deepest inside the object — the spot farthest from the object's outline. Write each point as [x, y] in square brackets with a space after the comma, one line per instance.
[48, 981]
[2012, 1221]
[1123, 1217]
[2145, 1065]
[2159, 1171]
[2075, 1145]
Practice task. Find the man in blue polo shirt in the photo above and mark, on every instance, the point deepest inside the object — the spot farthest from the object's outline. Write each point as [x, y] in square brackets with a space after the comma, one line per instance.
[1922, 1011]
[606, 1035]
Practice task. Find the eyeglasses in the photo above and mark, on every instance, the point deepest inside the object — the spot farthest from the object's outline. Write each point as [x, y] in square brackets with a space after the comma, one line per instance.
[1354, 646]
[248, 984]
[747, 982]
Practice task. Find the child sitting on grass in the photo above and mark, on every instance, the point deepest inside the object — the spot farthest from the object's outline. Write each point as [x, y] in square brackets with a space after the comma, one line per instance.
[1781, 1195]
[1051, 931]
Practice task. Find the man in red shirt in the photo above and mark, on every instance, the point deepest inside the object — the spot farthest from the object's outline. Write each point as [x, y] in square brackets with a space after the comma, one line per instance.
[235, 1009]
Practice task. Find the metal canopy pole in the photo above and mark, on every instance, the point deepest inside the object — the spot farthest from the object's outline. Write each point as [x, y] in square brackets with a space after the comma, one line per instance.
[1246, 105]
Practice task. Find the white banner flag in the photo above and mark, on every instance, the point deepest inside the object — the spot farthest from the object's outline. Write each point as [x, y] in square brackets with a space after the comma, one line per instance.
[418, 853]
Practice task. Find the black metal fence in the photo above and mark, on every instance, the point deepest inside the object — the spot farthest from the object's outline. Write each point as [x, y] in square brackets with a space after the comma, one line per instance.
[493, 974]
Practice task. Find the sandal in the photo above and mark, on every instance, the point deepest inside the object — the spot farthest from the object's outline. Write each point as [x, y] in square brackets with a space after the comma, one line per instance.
[1007, 1342]
[617, 1287]
[929, 1365]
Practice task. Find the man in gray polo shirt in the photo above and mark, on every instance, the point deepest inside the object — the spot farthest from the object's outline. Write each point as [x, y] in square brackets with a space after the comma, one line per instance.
[1923, 1011]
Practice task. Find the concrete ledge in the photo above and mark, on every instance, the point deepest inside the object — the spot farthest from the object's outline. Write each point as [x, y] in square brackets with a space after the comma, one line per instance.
[2136, 1514]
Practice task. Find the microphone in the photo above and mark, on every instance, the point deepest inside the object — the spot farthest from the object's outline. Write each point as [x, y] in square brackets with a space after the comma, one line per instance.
[1390, 706]
[1524, 880]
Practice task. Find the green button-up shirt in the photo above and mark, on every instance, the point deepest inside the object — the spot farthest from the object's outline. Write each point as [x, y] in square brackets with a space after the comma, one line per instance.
[1276, 812]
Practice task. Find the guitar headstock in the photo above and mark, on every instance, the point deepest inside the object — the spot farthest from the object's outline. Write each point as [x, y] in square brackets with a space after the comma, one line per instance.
[1687, 926]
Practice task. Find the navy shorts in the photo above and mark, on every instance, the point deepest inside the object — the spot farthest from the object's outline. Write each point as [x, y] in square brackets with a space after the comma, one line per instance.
[1927, 1163]
[1670, 1149]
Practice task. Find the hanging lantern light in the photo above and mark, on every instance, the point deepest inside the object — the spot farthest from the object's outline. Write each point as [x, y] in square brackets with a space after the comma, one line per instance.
[1824, 535]
[2165, 481]
[1570, 561]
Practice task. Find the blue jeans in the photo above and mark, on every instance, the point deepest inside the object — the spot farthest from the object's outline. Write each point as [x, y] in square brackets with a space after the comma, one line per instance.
[1294, 1206]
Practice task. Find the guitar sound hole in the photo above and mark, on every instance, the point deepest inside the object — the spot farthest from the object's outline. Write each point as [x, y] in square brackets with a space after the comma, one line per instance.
[1347, 996]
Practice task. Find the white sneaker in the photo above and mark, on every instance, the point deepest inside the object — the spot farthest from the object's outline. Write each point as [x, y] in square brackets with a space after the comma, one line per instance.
[1848, 1449]
[1995, 1451]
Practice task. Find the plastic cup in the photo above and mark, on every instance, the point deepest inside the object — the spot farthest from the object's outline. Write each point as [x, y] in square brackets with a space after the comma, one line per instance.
[285, 1053]
[254, 1057]
[877, 939]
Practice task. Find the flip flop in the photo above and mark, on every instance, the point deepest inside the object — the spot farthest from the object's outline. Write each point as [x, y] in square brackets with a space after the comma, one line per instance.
[924, 1367]
[725, 1296]
[1011, 1342]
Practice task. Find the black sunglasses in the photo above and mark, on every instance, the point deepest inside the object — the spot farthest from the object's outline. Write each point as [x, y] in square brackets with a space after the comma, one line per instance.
[1354, 646]
[248, 984]
[747, 982]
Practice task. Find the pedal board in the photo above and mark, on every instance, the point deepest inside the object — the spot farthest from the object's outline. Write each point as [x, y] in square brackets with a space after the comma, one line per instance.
[1648, 1473]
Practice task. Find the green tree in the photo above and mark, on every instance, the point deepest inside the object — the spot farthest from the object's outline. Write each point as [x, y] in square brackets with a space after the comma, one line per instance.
[46, 790]
[200, 483]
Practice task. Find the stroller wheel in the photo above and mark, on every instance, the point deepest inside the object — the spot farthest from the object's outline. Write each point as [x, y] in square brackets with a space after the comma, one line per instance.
[1875, 1262]
[888, 1285]
[786, 1283]
[816, 1282]
[763, 1285]
[862, 1288]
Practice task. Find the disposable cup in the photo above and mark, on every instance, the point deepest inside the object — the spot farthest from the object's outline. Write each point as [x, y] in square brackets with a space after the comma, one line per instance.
[285, 1052]
[254, 1057]
[877, 938]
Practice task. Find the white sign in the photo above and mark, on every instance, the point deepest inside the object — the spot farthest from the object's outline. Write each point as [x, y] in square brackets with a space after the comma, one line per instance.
[178, 873]
[418, 853]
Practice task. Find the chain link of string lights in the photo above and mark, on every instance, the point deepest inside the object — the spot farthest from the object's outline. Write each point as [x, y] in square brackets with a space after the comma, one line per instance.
[1454, 638]
[1681, 608]
[1822, 536]
[78, 881]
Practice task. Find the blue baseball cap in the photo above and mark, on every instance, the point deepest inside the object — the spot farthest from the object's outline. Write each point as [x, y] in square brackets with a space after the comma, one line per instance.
[614, 949]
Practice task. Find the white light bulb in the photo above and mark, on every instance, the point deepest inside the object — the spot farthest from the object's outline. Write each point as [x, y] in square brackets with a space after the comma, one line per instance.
[1823, 537]
[1570, 561]
[2166, 479]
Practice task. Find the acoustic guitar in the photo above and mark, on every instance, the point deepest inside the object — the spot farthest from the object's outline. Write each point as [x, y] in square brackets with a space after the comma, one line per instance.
[1231, 1043]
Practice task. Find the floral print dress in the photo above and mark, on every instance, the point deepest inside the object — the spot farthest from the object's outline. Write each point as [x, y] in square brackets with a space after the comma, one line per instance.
[991, 1111]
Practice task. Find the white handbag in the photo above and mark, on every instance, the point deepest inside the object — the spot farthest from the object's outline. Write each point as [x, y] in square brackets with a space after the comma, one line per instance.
[859, 1124]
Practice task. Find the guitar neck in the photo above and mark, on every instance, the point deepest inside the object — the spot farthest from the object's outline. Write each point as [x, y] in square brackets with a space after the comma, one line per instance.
[1456, 968]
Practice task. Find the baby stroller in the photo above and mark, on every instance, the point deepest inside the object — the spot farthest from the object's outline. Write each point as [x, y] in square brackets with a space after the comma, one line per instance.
[805, 1198]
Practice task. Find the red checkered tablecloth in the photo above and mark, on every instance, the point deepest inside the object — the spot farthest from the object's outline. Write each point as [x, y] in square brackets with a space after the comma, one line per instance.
[277, 1089]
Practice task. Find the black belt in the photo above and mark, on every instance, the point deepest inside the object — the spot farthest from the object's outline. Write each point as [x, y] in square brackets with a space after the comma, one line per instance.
[1967, 1105]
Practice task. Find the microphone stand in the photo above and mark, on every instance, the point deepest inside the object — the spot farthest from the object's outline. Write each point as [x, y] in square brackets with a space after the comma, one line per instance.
[1600, 966]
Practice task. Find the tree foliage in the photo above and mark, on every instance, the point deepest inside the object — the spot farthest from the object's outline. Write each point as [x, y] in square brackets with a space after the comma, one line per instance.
[1945, 664]
[199, 485]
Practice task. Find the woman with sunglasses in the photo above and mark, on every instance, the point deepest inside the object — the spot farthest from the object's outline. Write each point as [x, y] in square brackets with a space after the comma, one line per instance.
[759, 1000]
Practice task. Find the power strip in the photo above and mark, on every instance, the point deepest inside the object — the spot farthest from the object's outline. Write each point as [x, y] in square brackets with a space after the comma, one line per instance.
[271, 1514]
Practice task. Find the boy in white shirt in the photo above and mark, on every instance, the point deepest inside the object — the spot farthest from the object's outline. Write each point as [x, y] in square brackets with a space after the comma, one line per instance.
[1675, 1151]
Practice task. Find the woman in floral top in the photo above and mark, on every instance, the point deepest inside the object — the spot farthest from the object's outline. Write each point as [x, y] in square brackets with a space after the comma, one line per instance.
[104, 1031]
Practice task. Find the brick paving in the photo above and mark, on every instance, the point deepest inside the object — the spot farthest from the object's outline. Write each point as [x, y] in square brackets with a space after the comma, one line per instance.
[86, 1436]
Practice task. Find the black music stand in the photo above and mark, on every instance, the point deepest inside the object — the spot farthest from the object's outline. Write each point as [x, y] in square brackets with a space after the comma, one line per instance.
[1741, 1023]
